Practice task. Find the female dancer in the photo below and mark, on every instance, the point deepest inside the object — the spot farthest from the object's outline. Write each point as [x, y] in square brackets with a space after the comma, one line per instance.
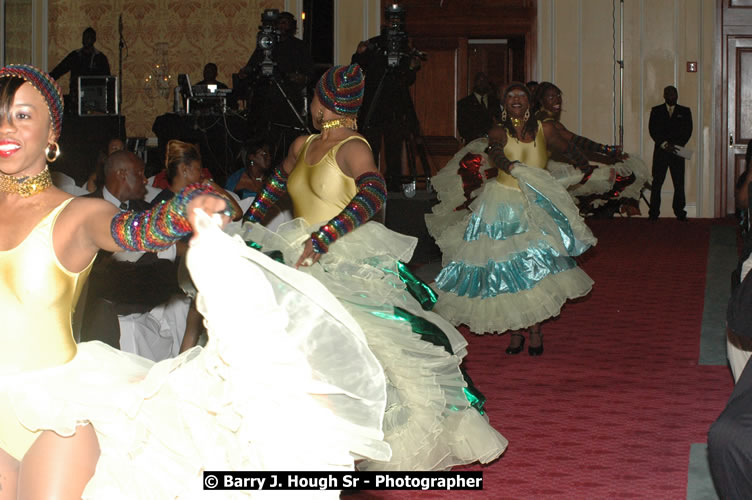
[335, 189]
[508, 262]
[622, 182]
[88, 421]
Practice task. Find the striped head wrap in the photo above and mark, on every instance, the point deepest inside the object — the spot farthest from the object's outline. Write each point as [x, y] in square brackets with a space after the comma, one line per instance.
[340, 89]
[46, 86]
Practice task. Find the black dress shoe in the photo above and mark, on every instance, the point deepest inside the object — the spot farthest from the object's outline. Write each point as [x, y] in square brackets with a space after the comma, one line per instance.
[682, 218]
[535, 351]
[653, 218]
[518, 349]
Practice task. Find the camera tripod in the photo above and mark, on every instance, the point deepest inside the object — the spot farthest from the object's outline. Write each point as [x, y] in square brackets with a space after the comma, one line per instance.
[410, 139]
[285, 132]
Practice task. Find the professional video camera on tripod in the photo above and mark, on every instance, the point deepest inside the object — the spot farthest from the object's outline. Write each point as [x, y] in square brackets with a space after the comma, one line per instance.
[275, 80]
[390, 64]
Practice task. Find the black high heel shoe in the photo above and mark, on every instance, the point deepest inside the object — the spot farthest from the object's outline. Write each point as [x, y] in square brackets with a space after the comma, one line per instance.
[518, 349]
[536, 351]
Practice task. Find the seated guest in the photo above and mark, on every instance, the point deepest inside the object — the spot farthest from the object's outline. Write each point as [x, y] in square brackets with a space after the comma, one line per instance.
[183, 167]
[96, 177]
[730, 442]
[118, 287]
[254, 161]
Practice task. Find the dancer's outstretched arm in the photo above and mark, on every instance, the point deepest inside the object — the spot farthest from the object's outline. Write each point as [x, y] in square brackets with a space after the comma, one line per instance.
[276, 184]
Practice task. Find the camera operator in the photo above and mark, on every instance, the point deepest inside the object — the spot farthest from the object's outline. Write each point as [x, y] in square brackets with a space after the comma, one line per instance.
[389, 62]
[288, 62]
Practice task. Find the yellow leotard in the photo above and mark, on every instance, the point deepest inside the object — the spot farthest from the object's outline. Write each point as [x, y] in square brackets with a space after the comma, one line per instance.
[532, 154]
[321, 191]
[37, 296]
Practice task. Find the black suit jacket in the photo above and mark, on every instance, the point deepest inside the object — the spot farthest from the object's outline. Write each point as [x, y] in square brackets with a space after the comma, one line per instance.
[675, 129]
[132, 286]
[473, 119]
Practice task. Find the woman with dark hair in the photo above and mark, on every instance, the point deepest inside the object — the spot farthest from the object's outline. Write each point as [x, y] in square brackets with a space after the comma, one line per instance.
[254, 161]
[508, 262]
[83, 420]
[434, 416]
[620, 182]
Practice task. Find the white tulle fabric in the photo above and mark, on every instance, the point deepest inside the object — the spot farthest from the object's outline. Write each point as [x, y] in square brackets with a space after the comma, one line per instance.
[449, 189]
[513, 311]
[286, 382]
[428, 422]
[603, 177]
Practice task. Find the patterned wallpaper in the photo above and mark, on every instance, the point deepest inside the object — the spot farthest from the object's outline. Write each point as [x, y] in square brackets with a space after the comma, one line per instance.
[193, 32]
[18, 25]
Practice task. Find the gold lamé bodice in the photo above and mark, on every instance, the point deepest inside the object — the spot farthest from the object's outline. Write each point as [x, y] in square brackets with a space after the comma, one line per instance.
[532, 154]
[37, 296]
[320, 191]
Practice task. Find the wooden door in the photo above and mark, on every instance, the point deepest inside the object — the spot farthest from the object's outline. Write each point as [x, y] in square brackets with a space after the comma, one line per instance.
[489, 57]
[739, 119]
[733, 79]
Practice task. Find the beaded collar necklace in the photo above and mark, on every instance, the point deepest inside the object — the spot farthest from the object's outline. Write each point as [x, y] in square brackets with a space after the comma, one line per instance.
[26, 186]
[345, 121]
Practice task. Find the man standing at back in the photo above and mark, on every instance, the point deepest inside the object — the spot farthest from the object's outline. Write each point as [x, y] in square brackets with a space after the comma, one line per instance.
[670, 126]
[477, 112]
[86, 61]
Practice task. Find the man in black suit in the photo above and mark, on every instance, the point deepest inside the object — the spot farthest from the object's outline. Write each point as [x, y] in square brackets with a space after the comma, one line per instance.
[670, 126]
[477, 112]
[120, 287]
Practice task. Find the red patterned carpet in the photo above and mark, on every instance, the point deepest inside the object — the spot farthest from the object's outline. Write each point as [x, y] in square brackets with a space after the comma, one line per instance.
[611, 408]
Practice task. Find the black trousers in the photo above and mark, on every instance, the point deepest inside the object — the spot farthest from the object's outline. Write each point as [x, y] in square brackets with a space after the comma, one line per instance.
[730, 442]
[394, 139]
[662, 163]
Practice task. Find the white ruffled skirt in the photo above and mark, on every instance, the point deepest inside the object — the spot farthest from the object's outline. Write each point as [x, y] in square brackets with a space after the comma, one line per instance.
[286, 382]
[508, 263]
[602, 180]
[429, 423]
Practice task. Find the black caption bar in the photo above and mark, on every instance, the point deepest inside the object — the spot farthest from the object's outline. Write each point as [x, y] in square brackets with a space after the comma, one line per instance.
[341, 480]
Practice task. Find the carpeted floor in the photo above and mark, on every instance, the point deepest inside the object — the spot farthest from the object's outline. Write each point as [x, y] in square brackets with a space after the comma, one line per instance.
[614, 405]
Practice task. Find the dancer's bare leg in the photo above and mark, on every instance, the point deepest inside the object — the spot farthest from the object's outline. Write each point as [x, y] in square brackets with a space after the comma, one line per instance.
[58, 467]
[536, 335]
[8, 476]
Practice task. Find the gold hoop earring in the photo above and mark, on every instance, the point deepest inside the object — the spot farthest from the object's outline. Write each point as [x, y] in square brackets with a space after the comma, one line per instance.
[527, 115]
[503, 115]
[54, 149]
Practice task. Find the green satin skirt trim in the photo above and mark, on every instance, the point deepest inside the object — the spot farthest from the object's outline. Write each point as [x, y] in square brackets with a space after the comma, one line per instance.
[418, 288]
[433, 334]
[427, 330]
[273, 254]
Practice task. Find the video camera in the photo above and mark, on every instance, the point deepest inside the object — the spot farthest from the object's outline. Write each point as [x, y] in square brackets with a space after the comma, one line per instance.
[268, 37]
[394, 37]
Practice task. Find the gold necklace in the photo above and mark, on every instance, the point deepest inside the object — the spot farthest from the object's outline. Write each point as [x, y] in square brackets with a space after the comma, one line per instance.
[26, 186]
[345, 121]
[517, 122]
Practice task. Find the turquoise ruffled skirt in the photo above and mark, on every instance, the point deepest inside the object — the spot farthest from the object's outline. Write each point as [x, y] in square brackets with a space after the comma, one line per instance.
[508, 262]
